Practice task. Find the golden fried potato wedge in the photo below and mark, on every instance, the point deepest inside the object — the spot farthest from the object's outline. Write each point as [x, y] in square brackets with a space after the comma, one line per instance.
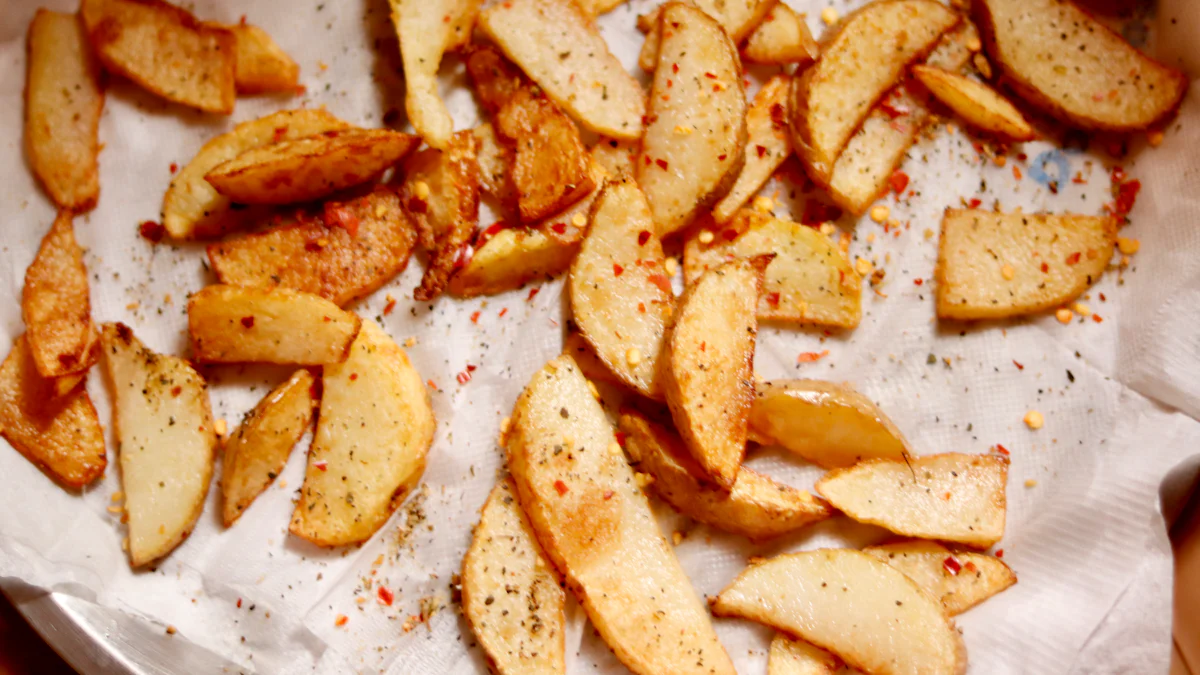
[495, 161]
[693, 147]
[959, 580]
[975, 103]
[594, 8]
[738, 17]
[166, 438]
[994, 265]
[262, 65]
[494, 77]
[615, 156]
[797, 657]
[768, 144]
[579, 349]
[64, 97]
[781, 38]
[867, 613]
[1073, 67]
[510, 593]
[56, 306]
[950, 497]
[374, 430]
[256, 452]
[233, 324]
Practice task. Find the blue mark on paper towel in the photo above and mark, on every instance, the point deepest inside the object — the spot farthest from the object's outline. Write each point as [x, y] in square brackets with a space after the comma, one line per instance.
[1059, 168]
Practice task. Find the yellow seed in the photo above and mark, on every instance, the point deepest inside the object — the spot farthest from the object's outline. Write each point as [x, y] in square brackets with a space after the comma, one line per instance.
[643, 479]
[974, 44]
[1034, 419]
[220, 427]
[671, 265]
[863, 266]
[380, 209]
[633, 356]
[1082, 309]
[682, 130]
[422, 189]
[928, 234]
[1000, 160]
[1029, 482]
[706, 237]
[1155, 138]
[410, 342]
[115, 509]
[171, 630]
[118, 496]
[827, 229]
[1008, 272]
[1064, 315]
[880, 212]
[578, 220]
[282, 484]
[1128, 246]
[614, 448]
[829, 15]
[677, 537]
[763, 204]
[982, 65]
[594, 391]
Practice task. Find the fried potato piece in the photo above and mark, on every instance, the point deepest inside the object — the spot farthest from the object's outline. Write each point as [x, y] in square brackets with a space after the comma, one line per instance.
[867, 613]
[510, 594]
[374, 430]
[559, 47]
[494, 77]
[56, 306]
[166, 51]
[995, 265]
[59, 433]
[596, 524]
[701, 120]
[594, 8]
[579, 349]
[309, 168]
[495, 161]
[976, 103]
[781, 38]
[256, 452]
[959, 580]
[810, 279]
[738, 17]
[615, 156]
[768, 144]
[950, 497]
[1073, 67]
[866, 57]
[166, 438]
[64, 97]
[262, 65]
[797, 657]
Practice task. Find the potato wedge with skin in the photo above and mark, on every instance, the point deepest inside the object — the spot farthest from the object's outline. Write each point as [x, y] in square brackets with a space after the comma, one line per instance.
[510, 593]
[64, 96]
[262, 65]
[256, 452]
[976, 103]
[996, 265]
[782, 37]
[959, 580]
[797, 657]
[738, 17]
[756, 507]
[232, 324]
[495, 167]
[1073, 67]
[494, 78]
[867, 613]
[949, 497]
[768, 144]
[597, 528]
[167, 442]
[374, 430]
[693, 147]
[56, 306]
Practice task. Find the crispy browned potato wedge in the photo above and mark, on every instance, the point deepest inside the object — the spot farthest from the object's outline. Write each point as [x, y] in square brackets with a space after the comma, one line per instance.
[56, 307]
[950, 497]
[256, 452]
[797, 657]
[64, 96]
[495, 167]
[615, 156]
[59, 433]
[510, 593]
[374, 430]
[994, 265]
[781, 38]
[494, 77]
[959, 580]
[975, 103]
[594, 8]
[262, 65]
[768, 144]
[693, 147]
[1075, 68]
[738, 17]
[166, 51]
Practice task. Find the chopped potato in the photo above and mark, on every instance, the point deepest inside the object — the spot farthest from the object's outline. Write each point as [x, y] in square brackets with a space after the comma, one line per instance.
[579, 349]
[495, 167]
[510, 259]
[262, 66]
[960, 580]
[56, 306]
[594, 8]
[767, 145]
[615, 156]
[781, 38]
[495, 78]
[976, 103]
[797, 657]
[738, 17]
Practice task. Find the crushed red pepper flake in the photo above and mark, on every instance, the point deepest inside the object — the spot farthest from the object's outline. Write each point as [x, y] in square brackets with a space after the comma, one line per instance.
[810, 357]
[1018, 364]
[617, 270]
[248, 321]
[386, 596]
[898, 181]
[951, 565]
[1001, 449]
[475, 316]
[533, 293]
[152, 231]
[662, 164]
[560, 487]
[643, 237]
[1073, 259]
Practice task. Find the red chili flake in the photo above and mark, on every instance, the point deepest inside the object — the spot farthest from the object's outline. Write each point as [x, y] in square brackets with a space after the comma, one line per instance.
[643, 237]
[721, 158]
[1102, 298]
[248, 321]
[760, 149]
[533, 293]
[711, 76]
[970, 567]
[608, 494]
[174, 168]
[918, 282]
[809, 357]
[386, 596]
[280, 132]
[176, 390]
[464, 376]
[670, 83]
[313, 245]
[1079, 178]
[1074, 258]
[391, 304]
[560, 487]
[560, 228]
[974, 203]
[503, 311]
[648, 160]
[661, 281]
[1126, 196]
[490, 232]
[951, 565]
[353, 376]
[152, 231]
[242, 20]
[899, 181]
[617, 269]
[778, 115]
[321, 465]
[674, 67]
[341, 620]
[890, 110]
[1018, 364]
[1001, 449]
[773, 299]
[239, 603]
[642, 307]
[1097, 318]
[999, 553]
[662, 164]
[1045, 268]
[475, 316]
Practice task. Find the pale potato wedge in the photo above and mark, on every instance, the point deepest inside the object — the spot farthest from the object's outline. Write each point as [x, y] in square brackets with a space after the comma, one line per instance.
[828, 424]
[693, 147]
[495, 167]
[510, 593]
[579, 349]
[615, 156]
[756, 507]
[262, 65]
[56, 306]
[309, 168]
[64, 96]
[768, 144]
[797, 657]
[867, 613]
[597, 528]
[256, 452]
[959, 580]
[558, 45]
[810, 279]
[951, 497]
[738, 17]
[1073, 67]
[708, 371]
[975, 103]
[374, 430]
[621, 298]
[867, 56]
[58, 432]
[782, 37]
[994, 265]
[193, 208]
[167, 442]
[234, 324]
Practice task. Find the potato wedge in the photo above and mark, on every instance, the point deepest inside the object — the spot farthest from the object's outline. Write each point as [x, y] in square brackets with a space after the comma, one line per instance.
[256, 452]
[559, 47]
[976, 103]
[594, 8]
[64, 97]
[510, 593]
[232, 324]
[756, 507]
[166, 51]
[494, 77]
[959, 580]
[597, 528]
[374, 430]
[693, 147]
[167, 442]
[828, 424]
[60, 433]
[867, 613]
[1073, 67]
[708, 373]
[579, 349]
[951, 497]
[781, 38]
[768, 144]
[615, 156]
[810, 279]
[866, 57]
[309, 168]
[994, 265]
[797, 657]
[262, 65]
[56, 306]
[495, 167]
[738, 17]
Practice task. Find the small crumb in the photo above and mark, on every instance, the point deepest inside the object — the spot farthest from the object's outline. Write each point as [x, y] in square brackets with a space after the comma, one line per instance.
[1128, 246]
[410, 342]
[1008, 272]
[133, 306]
[578, 220]
[671, 265]
[827, 229]
[706, 237]
[117, 496]
[171, 630]
[863, 266]
[633, 356]
[422, 189]
[871, 238]
[1064, 315]
[677, 537]
[763, 204]
[167, 298]
[360, 600]
[282, 484]
[880, 213]
[829, 15]
[1155, 138]
[1082, 309]
[220, 427]
[1029, 482]
[1034, 420]
[928, 234]
[982, 65]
